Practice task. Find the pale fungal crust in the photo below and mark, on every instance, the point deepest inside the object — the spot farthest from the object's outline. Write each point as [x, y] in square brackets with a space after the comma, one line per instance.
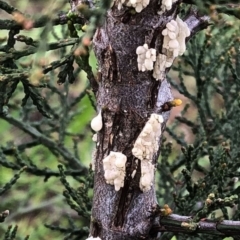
[166, 5]
[174, 45]
[147, 175]
[97, 123]
[145, 147]
[146, 57]
[139, 5]
[94, 137]
[146, 144]
[160, 66]
[114, 169]
[92, 238]
[175, 34]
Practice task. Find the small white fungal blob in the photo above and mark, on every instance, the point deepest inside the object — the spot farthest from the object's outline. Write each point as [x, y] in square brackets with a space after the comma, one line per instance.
[145, 147]
[160, 66]
[146, 57]
[175, 34]
[94, 137]
[114, 169]
[96, 123]
[139, 5]
[166, 5]
[147, 175]
[146, 144]
[174, 45]
[120, 3]
[92, 238]
[184, 32]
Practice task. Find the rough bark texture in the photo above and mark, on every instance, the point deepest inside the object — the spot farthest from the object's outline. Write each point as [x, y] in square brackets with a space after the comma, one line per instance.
[127, 97]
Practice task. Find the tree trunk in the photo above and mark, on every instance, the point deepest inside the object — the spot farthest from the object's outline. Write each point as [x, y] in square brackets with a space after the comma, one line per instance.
[127, 97]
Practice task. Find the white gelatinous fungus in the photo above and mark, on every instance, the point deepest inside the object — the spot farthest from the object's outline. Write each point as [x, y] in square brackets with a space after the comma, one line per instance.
[120, 3]
[145, 147]
[96, 123]
[146, 144]
[146, 57]
[175, 34]
[174, 45]
[147, 175]
[139, 5]
[94, 137]
[162, 62]
[114, 169]
[184, 32]
[166, 5]
[92, 238]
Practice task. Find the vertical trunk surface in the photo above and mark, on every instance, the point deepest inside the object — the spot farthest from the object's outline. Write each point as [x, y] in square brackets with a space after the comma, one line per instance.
[127, 97]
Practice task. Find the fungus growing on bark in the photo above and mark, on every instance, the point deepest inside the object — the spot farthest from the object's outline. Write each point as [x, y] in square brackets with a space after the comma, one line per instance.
[94, 137]
[166, 5]
[139, 5]
[160, 66]
[146, 57]
[145, 147]
[96, 123]
[92, 238]
[147, 175]
[114, 169]
[175, 34]
[174, 45]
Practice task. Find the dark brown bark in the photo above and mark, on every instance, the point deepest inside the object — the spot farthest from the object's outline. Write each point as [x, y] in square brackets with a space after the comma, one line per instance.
[127, 97]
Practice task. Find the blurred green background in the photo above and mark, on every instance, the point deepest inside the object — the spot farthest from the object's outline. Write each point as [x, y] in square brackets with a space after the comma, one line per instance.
[33, 202]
